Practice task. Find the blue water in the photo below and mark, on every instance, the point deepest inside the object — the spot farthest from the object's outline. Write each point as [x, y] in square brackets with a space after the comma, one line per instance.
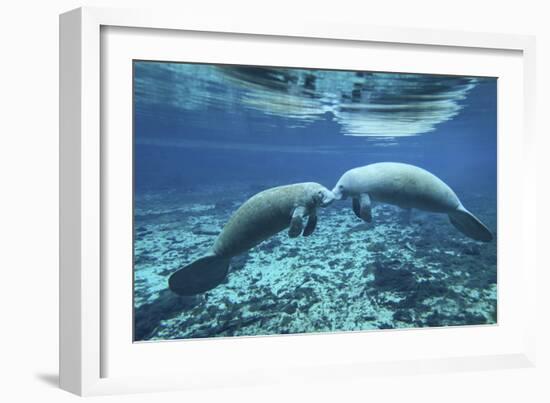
[206, 138]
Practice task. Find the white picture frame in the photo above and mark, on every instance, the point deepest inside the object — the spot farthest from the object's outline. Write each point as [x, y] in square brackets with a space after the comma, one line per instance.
[85, 343]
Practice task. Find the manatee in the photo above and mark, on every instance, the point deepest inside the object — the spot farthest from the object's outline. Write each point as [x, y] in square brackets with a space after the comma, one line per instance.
[406, 186]
[260, 217]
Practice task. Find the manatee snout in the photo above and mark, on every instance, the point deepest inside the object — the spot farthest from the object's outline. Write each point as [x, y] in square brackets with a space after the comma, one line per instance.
[326, 197]
[339, 192]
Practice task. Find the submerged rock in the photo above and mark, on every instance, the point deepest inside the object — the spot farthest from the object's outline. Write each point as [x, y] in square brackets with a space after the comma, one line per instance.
[290, 308]
[387, 279]
[475, 319]
[435, 319]
[423, 291]
[148, 316]
[206, 229]
[238, 262]
[370, 269]
[270, 245]
[376, 247]
[402, 316]
[472, 250]
[292, 252]
[144, 258]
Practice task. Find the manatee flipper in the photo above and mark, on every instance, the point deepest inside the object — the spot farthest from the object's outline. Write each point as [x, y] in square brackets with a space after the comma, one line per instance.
[311, 224]
[296, 222]
[356, 206]
[365, 212]
[469, 225]
[200, 276]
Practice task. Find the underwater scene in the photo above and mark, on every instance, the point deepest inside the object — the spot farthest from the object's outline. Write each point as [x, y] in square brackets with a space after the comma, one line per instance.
[275, 200]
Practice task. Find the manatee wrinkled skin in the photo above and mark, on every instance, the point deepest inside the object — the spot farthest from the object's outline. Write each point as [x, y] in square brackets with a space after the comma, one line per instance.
[407, 186]
[267, 213]
[260, 217]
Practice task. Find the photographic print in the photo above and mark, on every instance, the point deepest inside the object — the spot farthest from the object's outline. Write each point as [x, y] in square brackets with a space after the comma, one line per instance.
[278, 200]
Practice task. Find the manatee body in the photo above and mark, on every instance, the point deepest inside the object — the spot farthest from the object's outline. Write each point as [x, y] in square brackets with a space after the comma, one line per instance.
[260, 217]
[407, 186]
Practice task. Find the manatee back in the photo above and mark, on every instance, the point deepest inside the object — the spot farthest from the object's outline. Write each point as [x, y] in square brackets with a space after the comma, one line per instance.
[407, 186]
[260, 217]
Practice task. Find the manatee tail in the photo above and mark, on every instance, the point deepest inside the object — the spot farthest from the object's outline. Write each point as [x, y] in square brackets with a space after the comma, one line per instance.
[469, 225]
[200, 276]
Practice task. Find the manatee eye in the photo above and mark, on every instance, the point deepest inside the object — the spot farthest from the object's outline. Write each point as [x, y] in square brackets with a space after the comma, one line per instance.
[341, 187]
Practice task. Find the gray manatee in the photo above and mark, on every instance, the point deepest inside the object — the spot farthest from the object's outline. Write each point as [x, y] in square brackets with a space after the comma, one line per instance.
[406, 186]
[260, 217]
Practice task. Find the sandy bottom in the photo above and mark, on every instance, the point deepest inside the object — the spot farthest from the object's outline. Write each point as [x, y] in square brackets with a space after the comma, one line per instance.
[347, 276]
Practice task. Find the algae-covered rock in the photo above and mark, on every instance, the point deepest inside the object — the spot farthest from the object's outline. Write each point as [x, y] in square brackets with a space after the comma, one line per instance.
[389, 279]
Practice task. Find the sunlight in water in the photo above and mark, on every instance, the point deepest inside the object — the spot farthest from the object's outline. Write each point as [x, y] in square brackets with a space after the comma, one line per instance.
[361, 103]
